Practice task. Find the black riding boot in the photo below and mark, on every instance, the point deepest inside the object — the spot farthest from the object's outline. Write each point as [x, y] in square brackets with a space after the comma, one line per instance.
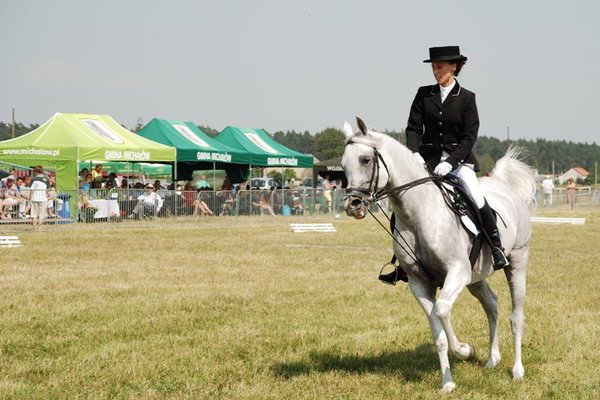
[489, 225]
[396, 275]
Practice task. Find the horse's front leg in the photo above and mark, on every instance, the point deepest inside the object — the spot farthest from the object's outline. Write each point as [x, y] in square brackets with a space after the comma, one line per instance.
[425, 295]
[457, 278]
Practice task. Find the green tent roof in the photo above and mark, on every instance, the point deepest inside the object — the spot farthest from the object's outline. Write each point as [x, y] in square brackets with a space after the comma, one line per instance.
[66, 139]
[191, 142]
[263, 149]
[83, 137]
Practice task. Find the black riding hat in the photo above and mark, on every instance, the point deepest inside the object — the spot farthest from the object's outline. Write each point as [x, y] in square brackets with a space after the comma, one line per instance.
[445, 53]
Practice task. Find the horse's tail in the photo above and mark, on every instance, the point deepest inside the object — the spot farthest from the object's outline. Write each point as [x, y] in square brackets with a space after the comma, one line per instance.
[517, 174]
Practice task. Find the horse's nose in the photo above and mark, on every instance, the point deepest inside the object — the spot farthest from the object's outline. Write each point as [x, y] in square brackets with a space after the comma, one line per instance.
[356, 202]
[352, 202]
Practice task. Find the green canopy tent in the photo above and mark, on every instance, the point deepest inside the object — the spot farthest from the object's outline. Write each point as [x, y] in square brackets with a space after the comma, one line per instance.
[66, 140]
[263, 149]
[195, 149]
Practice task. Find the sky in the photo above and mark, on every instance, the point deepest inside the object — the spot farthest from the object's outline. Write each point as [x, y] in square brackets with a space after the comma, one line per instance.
[300, 65]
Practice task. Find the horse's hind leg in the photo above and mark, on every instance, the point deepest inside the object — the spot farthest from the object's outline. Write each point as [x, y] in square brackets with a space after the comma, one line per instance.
[517, 279]
[489, 301]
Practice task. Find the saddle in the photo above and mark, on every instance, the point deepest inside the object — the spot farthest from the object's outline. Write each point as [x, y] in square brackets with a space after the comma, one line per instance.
[461, 203]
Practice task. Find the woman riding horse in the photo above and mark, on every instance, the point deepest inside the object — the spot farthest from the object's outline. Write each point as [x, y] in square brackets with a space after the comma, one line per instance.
[441, 132]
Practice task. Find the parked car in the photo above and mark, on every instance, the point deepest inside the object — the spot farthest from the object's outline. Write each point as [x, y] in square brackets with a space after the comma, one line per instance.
[308, 183]
[264, 183]
[306, 188]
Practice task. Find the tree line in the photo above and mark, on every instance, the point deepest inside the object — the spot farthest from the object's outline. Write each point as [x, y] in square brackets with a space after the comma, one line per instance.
[547, 156]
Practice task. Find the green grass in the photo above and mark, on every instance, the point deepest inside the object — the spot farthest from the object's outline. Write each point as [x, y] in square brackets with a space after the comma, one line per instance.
[241, 308]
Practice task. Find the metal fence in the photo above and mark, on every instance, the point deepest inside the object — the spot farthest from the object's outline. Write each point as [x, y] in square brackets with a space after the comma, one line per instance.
[585, 196]
[115, 205]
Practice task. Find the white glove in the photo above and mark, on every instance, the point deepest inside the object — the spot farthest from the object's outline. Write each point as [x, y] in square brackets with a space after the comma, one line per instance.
[419, 158]
[443, 169]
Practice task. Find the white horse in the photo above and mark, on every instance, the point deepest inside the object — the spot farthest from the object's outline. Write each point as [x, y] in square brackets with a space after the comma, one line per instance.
[375, 163]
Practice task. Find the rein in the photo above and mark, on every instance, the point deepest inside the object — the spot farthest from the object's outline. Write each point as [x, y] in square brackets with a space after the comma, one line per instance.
[405, 246]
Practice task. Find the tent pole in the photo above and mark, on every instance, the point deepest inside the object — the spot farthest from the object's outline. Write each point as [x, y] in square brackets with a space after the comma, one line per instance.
[175, 176]
[214, 176]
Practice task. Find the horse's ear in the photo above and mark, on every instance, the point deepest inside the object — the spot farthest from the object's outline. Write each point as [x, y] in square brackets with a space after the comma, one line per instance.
[362, 126]
[347, 129]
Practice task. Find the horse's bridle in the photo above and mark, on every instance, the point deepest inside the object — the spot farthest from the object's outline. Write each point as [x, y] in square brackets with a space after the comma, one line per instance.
[373, 194]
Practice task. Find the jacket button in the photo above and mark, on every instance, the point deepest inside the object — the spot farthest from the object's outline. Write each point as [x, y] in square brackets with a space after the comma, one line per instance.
[439, 123]
[440, 113]
[441, 133]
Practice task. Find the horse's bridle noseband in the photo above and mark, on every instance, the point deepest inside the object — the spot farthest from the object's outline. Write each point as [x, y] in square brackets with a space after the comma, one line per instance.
[372, 191]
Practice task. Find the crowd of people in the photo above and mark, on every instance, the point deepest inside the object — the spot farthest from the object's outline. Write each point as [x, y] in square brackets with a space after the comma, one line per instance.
[151, 200]
[32, 196]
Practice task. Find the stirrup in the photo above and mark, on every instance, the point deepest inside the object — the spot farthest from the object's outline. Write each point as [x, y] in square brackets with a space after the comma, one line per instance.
[499, 259]
[391, 278]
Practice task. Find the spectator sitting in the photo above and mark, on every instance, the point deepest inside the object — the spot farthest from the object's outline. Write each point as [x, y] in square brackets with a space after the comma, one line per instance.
[297, 207]
[86, 184]
[200, 205]
[10, 196]
[123, 193]
[82, 174]
[188, 195]
[54, 203]
[111, 192]
[114, 179]
[148, 203]
[25, 205]
[263, 204]
[137, 190]
[96, 192]
[227, 208]
[11, 172]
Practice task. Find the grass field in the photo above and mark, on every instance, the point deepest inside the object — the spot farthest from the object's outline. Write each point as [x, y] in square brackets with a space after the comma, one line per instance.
[241, 308]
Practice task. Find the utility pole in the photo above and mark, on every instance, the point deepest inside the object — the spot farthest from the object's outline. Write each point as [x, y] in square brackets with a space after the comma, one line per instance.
[508, 134]
[13, 123]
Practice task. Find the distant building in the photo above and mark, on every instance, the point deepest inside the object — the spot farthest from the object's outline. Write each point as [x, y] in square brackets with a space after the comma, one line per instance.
[575, 173]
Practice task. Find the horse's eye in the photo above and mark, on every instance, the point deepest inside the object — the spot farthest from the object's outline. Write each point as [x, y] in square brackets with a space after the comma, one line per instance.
[364, 160]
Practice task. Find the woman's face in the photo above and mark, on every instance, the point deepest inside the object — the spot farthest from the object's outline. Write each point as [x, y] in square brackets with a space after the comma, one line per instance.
[443, 72]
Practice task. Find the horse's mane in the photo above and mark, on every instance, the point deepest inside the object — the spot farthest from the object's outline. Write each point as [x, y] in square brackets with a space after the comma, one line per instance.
[380, 141]
[514, 172]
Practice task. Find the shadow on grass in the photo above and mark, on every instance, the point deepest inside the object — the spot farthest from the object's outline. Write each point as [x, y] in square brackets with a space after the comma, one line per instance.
[411, 364]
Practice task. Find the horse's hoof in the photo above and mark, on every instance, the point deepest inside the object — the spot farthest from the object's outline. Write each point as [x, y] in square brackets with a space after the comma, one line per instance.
[518, 372]
[448, 387]
[465, 352]
[493, 360]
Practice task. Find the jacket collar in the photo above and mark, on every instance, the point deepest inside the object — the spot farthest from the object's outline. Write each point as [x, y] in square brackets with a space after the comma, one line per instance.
[435, 93]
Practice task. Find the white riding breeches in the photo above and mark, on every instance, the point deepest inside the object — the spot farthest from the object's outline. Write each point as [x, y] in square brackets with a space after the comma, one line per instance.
[466, 173]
